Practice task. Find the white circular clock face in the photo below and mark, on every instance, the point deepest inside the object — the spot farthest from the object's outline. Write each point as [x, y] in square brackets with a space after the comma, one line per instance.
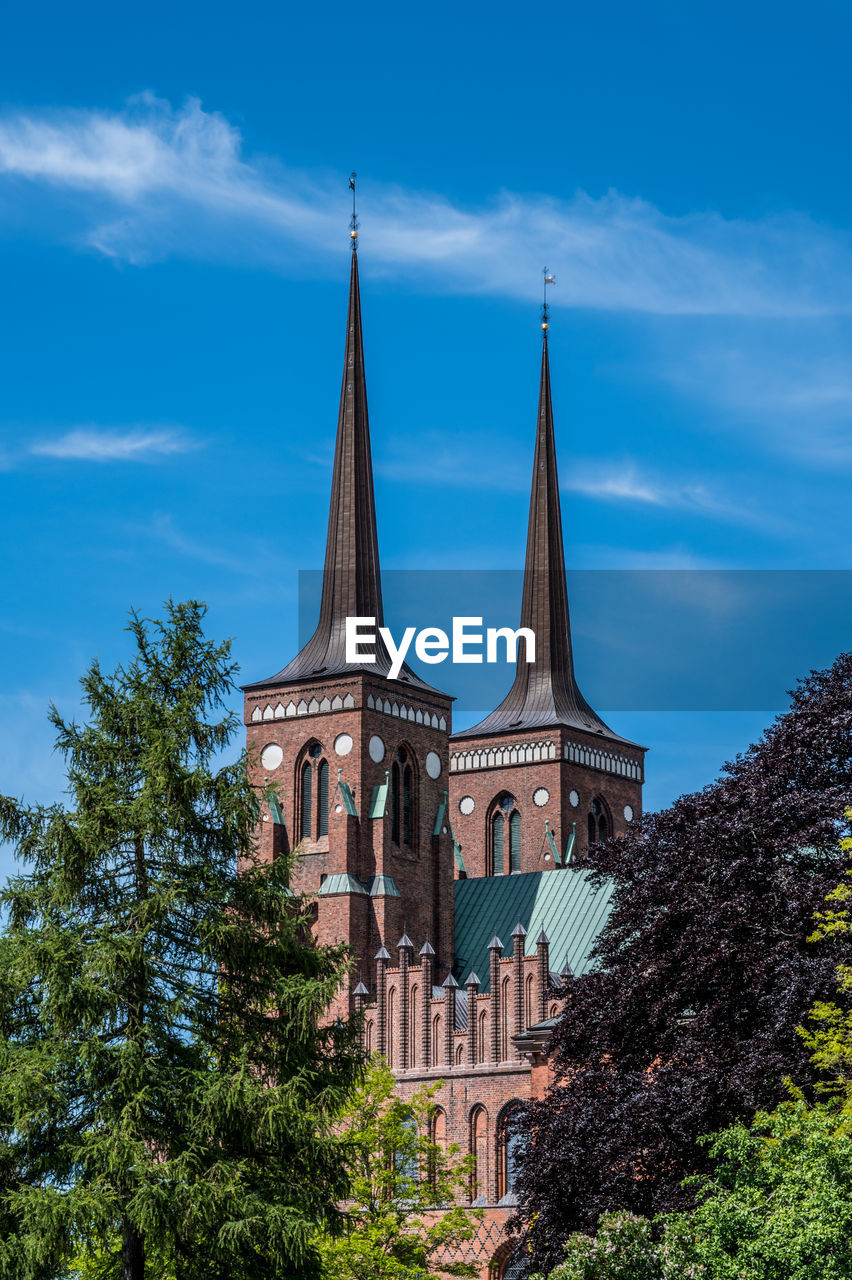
[377, 749]
[628, 813]
[574, 798]
[467, 804]
[433, 764]
[343, 744]
[541, 795]
[271, 756]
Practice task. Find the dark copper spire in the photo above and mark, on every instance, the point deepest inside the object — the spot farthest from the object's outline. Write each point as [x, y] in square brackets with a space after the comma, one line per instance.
[351, 578]
[545, 691]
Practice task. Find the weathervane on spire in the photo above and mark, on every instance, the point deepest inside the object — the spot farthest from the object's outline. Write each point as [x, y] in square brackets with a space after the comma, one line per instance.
[549, 278]
[353, 225]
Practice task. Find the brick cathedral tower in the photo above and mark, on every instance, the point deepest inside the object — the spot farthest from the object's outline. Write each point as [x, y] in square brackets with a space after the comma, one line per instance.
[585, 782]
[361, 761]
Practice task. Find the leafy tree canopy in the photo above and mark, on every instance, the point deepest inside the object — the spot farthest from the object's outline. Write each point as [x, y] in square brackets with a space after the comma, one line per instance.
[778, 1206]
[704, 973]
[399, 1175]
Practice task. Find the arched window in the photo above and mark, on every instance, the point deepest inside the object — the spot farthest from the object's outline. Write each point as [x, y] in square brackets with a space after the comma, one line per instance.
[517, 1267]
[479, 1151]
[305, 827]
[438, 1137]
[396, 803]
[530, 1001]
[509, 1138]
[459, 1054]
[407, 806]
[368, 1038]
[413, 1027]
[405, 1159]
[599, 828]
[504, 854]
[305, 776]
[322, 798]
[480, 1039]
[391, 1026]
[403, 800]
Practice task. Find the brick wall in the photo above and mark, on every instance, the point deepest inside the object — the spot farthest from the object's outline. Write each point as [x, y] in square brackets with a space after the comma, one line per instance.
[342, 717]
[559, 762]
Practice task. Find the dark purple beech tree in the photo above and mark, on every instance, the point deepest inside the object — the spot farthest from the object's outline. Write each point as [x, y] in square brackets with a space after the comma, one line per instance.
[704, 974]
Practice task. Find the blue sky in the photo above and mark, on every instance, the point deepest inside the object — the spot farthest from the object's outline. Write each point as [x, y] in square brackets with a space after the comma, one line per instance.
[173, 232]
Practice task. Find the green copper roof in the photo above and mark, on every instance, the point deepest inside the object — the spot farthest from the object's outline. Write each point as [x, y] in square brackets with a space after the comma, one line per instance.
[347, 797]
[382, 887]
[345, 882]
[340, 882]
[562, 903]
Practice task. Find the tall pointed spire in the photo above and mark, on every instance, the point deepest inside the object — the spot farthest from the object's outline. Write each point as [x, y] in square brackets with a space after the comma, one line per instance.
[351, 577]
[544, 692]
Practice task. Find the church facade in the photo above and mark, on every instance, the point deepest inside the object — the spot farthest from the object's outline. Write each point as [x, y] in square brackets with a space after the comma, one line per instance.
[451, 863]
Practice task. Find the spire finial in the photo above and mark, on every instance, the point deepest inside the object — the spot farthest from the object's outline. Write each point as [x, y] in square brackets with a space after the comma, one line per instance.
[353, 225]
[549, 278]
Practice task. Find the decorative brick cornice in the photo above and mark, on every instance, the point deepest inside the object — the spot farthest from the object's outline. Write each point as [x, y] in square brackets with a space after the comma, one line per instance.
[417, 714]
[313, 706]
[528, 752]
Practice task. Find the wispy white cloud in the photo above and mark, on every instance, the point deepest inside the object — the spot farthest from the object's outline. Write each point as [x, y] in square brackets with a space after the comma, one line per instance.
[92, 444]
[162, 180]
[481, 464]
[626, 482]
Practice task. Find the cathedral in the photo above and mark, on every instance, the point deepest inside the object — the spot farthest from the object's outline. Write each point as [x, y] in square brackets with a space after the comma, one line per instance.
[451, 863]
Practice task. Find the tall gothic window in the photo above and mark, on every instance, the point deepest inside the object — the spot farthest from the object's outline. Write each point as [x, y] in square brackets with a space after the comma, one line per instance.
[311, 824]
[498, 840]
[509, 1137]
[322, 798]
[413, 1027]
[479, 1151]
[505, 843]
[403, 817]
[515, 842]
[598, 822]
[439, 1140]
[407, 806]
[305, 827]
[392, 1027]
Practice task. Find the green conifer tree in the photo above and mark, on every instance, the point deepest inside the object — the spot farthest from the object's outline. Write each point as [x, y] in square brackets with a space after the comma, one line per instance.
[167, 1085]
